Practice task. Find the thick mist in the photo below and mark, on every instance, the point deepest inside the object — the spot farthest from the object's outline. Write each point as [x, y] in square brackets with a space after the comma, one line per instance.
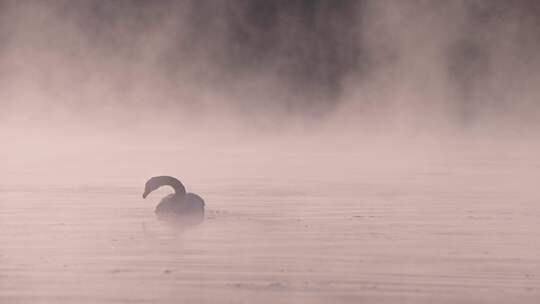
[119, 66]
[112, 79]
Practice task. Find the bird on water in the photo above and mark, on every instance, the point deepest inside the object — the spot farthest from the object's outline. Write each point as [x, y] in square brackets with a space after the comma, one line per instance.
[179, 204]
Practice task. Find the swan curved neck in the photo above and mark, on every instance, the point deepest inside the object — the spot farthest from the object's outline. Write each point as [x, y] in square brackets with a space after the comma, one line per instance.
[179, 189]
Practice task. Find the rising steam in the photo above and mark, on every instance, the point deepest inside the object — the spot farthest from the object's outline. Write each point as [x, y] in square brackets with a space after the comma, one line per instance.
[268, 65]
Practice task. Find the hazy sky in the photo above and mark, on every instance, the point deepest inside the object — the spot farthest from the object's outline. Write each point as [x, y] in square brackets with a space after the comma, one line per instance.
[462, 63]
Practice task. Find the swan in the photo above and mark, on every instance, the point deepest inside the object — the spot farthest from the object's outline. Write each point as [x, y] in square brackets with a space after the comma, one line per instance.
[176, 205]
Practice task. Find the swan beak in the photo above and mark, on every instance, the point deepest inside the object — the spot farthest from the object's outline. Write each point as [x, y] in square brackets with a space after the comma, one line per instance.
[145, 194]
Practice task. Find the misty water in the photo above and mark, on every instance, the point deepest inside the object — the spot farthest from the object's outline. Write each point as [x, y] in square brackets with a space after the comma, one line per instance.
[354, 151]
[427, 225]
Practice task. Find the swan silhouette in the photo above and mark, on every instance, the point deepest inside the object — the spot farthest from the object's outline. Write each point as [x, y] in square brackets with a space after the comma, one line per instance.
[188, 206]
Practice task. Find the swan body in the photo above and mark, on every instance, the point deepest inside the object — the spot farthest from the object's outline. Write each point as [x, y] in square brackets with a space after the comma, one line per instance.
[179, 205]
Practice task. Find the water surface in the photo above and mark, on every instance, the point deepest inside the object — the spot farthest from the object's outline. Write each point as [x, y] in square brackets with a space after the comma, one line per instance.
[279, 229]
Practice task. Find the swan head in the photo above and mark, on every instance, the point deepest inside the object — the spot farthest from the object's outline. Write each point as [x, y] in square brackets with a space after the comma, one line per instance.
[150, 186]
